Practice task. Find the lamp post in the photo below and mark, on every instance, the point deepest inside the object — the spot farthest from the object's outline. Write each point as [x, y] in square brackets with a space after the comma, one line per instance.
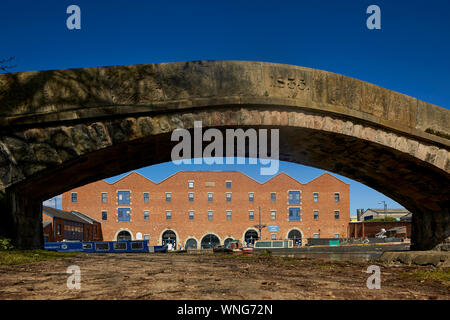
[385, 206]
[260, 226]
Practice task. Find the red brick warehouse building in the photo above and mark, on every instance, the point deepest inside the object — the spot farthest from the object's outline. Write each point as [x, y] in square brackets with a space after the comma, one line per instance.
[203, 208]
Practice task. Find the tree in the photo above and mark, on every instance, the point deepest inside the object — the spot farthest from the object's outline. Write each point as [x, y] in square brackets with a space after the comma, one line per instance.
[5, 64]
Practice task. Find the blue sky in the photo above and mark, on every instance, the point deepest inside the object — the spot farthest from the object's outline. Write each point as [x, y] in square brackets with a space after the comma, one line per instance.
[410, 54]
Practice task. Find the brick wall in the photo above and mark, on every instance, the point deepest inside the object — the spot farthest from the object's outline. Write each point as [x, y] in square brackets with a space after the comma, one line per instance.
[89, 202]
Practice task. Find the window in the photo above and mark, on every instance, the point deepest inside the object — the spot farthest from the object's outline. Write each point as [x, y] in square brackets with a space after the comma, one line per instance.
[316, 236]
[146, 215]
[316, 214]
[316, 196]
[58, 229]
[168, 196]
[104, 215]
[274, 236]
[104, 197]
[210, 197]
[228, 196]
[146, 237]
[273, 197]
[336, 197]
[146, 197]
[191, 215]
[168, 215]
[251, 215]
[336, 235]
[124, 214]
[294, 214]
[273, 215]
[123, 197]
[294, 197]
[210, 215]
[74, 197]
[251, 196]
[228, 184]
[190, 184]
[191, 197]
[228, 214]
[336, 214]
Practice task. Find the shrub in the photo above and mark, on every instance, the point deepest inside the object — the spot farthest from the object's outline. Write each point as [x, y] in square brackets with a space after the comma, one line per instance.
[5, 244]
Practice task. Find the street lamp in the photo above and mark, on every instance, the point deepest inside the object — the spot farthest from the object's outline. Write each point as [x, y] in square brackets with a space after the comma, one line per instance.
[260, 226]
[385, 206]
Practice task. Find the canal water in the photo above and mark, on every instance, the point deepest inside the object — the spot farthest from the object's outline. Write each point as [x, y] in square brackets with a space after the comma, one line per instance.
[346, 256]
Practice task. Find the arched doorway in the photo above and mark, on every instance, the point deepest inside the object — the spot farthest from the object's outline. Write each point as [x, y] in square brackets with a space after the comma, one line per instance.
[169, 238]
[123, 236]
[250, 237]
[296, 237]
[191, 244]
[210, 241]
[227, 241]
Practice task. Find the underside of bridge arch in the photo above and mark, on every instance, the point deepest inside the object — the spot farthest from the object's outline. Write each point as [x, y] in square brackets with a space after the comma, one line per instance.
[56, 158]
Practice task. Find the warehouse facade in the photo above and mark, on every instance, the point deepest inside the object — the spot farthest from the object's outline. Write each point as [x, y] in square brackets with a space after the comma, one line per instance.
[200, 209]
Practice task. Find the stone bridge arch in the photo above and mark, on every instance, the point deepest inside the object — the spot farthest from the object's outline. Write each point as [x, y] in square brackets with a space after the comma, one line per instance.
[65, 128]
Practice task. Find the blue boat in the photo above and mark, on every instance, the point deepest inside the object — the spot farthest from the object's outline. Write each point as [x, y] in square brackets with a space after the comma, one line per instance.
[104, 246]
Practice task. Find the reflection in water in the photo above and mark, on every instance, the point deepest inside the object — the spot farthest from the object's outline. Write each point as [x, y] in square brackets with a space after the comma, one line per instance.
[333, 256]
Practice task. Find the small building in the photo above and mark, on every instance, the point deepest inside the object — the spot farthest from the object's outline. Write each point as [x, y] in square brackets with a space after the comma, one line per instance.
[62, 225]
[368, 229]
[371, 214]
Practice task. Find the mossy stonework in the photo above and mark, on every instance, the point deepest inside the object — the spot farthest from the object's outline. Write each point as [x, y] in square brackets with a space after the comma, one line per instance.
[62, 129]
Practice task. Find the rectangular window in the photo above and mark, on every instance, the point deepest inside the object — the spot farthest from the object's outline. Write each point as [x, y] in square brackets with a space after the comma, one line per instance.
[146, 237]
[273, 197]
[146, 215]
[168, 196]
[228, 196]
[190, 184]
[123, 197]
[191, 215]
[336, 214]
[316, 236]
[251, 215]
[274, 236]
[228, 184]
[210, 197]
[58, 229]
[210, 215]
[251, 196]
[294, 214]
[168, 215]
[228, 214]
[146, 197]
[124, 214]
[74, 197]
[273, 215]
[294, 197]
[336, 197]
[316, 214]
[104, 197]
[336, 235]
[316, 196]
[191, 197]
[104, 215]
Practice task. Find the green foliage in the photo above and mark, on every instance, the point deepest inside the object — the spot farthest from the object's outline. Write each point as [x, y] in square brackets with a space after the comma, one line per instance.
[5, 244]
[382, 219]
[15, 257]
